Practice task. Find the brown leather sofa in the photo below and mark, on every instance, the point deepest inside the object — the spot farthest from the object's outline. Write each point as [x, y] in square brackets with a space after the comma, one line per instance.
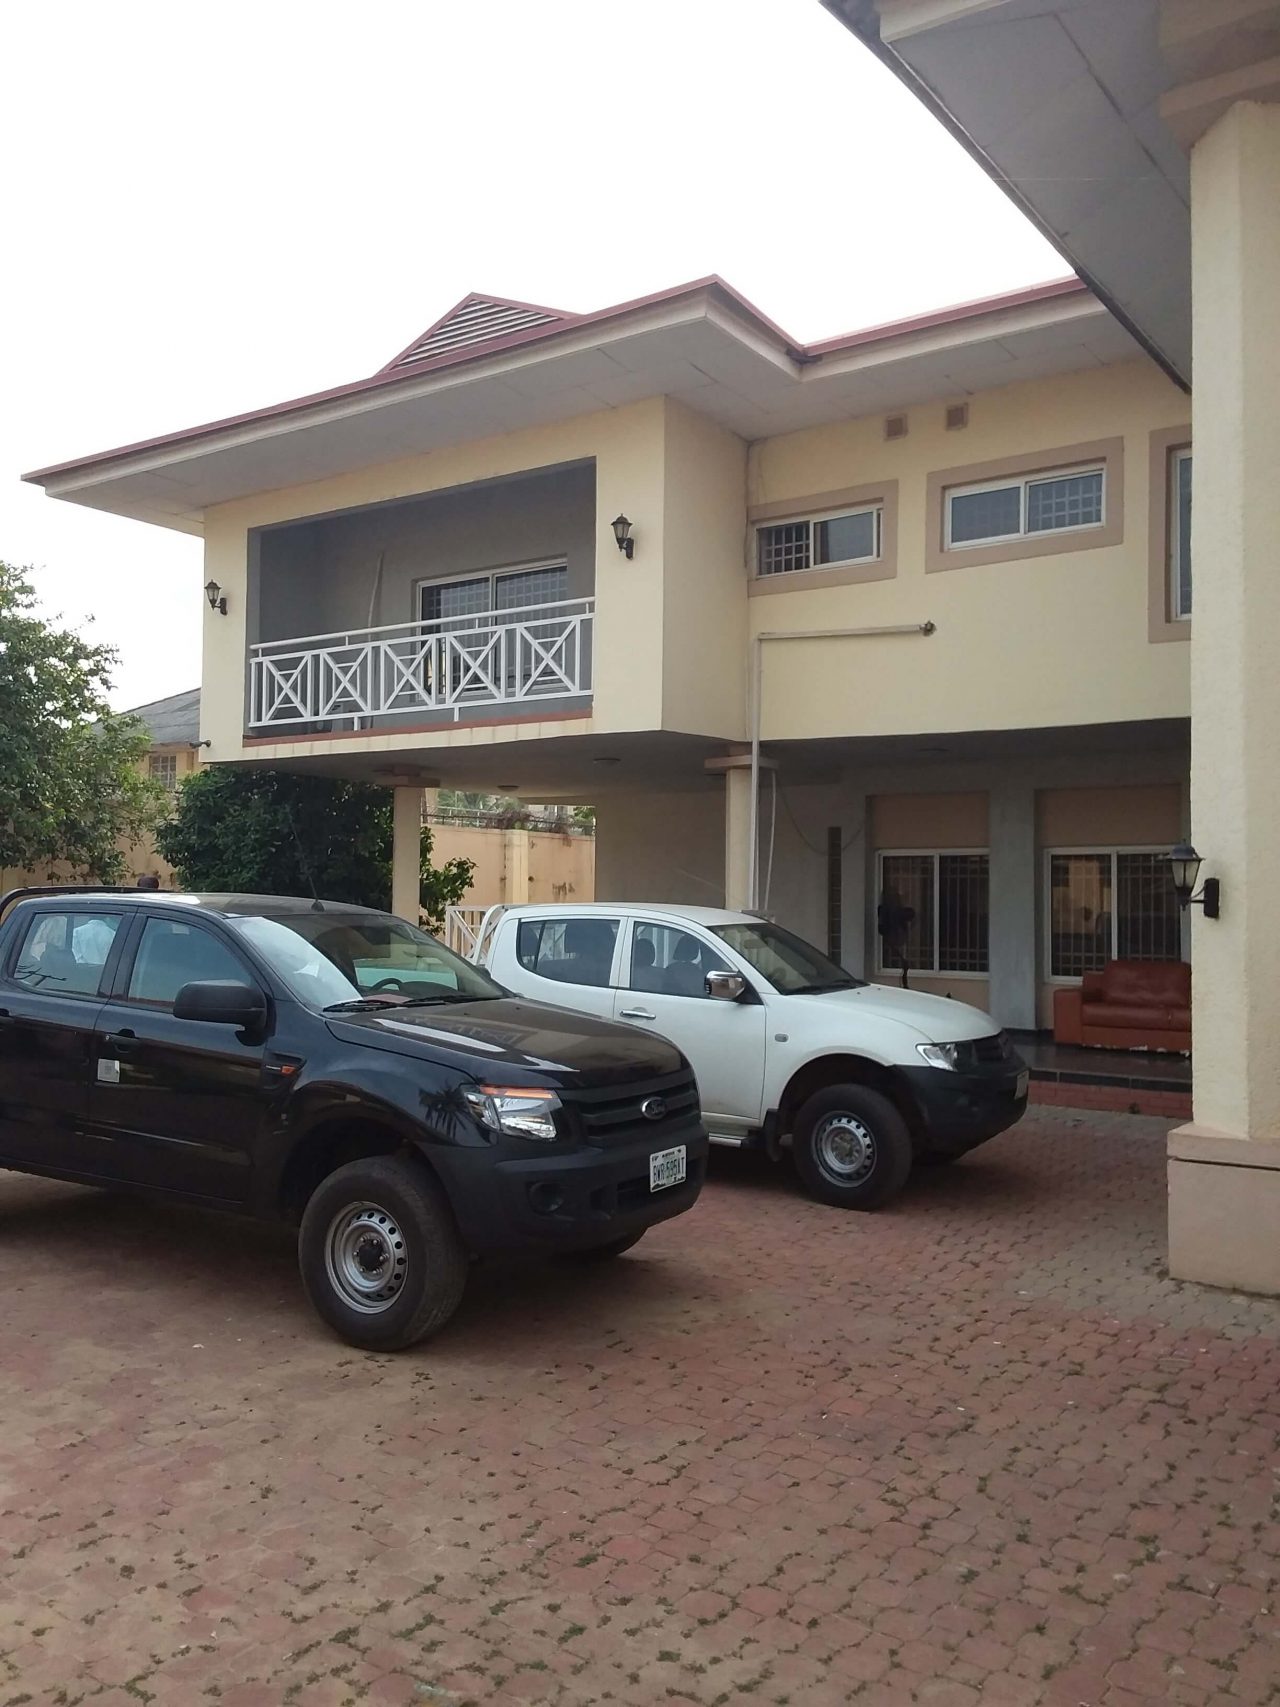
[1130, 1004]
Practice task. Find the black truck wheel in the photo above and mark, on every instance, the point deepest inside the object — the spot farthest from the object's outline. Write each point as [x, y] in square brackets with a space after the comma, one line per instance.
[851, 1147]
[380, 1256]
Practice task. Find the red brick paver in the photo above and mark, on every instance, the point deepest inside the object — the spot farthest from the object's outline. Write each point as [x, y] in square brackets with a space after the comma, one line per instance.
[974, 1449]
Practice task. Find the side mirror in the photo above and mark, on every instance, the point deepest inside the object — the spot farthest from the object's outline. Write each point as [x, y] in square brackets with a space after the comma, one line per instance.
[222, 1002]
[726, 986]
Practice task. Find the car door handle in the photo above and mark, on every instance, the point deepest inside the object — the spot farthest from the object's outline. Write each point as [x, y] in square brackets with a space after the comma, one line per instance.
[121, 1042]
[636, 1013]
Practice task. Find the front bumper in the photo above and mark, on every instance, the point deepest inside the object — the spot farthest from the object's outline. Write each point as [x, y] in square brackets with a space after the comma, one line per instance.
[957, 1111]
[549, 1199]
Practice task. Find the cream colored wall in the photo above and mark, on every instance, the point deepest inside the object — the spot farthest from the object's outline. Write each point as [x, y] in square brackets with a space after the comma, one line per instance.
[1109, 817]
[1053, 640]
[662, 847]
[555, 867]
[628, 446]
[704, 594]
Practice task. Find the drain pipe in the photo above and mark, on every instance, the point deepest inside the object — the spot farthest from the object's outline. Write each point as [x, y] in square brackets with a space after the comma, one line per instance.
[756, 687]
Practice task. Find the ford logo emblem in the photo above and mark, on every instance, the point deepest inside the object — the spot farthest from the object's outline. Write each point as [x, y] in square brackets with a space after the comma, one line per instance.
[653, 1108]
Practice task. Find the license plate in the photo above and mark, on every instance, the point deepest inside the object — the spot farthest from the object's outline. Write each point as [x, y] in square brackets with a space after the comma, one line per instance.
[1020, 1089]
[667, 1167]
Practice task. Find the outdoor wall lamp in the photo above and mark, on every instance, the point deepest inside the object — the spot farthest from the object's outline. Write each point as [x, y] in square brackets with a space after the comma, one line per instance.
[216, 597]
[622, 534]
[1184, 869]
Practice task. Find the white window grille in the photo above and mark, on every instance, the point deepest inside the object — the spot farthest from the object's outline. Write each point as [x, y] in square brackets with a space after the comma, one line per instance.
[164, 770]
[949, 894]
[820, 542]
[1064, 501]
[1180, 534]
[1109, 904]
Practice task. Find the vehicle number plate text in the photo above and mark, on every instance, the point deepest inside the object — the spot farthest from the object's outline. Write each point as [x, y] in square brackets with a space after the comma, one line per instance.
[667, 1167]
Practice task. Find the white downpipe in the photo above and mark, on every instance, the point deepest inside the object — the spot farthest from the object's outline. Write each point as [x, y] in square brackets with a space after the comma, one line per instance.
[757, 685]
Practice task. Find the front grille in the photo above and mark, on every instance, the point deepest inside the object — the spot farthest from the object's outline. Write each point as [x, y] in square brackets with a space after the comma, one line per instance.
[612, 1113]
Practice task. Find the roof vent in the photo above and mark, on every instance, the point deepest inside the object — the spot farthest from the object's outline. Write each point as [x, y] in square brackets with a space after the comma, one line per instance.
[957, 416]
[895, 426]
[475, 321]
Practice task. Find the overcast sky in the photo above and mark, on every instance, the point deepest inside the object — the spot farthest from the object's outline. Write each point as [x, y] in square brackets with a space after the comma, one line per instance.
[207, 207]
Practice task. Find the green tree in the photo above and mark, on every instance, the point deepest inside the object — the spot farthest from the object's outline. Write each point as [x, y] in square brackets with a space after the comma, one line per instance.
[70, 784]
[272, 833]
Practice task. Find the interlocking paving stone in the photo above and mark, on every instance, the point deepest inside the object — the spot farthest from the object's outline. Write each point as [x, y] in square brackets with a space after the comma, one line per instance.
[975, 1448]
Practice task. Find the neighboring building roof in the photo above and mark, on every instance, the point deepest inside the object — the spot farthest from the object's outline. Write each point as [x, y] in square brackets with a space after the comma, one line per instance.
[171, 721]
[492, 366]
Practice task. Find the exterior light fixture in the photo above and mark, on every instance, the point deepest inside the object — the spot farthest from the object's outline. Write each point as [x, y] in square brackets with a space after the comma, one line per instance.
[622, 534]
[1184, 869]
[216, 597]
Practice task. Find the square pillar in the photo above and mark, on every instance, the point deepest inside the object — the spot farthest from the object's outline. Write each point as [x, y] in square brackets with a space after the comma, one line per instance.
[406, 853]
[1224, 1169]
[737, 835]
[1011, 837]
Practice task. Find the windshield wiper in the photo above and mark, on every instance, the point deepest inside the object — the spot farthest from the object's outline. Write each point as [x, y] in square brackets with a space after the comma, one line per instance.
[362, 1005]
[446, 996]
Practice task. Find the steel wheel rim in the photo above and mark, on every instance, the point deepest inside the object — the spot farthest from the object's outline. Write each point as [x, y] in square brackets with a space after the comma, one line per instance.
[845, 1148]
[366, 1257]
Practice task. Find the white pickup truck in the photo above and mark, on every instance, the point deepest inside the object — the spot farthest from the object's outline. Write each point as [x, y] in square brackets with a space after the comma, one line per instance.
[789, 1049]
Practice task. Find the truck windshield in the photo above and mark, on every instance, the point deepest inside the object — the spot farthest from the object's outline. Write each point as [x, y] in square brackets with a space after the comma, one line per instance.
[334, 959]
[794, 967]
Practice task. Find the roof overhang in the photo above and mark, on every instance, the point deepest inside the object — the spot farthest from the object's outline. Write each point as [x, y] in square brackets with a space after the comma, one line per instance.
[702, 344]
[1083, 112]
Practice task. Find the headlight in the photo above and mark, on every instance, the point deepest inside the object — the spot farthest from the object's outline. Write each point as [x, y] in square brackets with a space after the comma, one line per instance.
[941, 1054]
[521, 1111]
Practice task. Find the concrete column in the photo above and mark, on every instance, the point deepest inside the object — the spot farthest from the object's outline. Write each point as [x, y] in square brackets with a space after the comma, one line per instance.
[406, 852]
[1224, 1169]
[856, 823]
[1011, 836]
[737, 835]
[515, 867]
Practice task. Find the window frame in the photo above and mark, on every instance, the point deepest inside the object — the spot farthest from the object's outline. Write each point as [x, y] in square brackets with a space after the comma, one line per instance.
[492, 576]
[936, 855]
[1173, 536]
[110, 966]
[617, 963]
[119, 985]
[1062, 980]
[1023, 482]
[626, 966]
[163, 768]
[811, 519]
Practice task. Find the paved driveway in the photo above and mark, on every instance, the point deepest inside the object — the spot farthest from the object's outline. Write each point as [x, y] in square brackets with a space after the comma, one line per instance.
[971, 1449]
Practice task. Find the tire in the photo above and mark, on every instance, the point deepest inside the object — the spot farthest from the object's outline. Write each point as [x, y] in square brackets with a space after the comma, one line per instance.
[606, 1252]
[851, 1147]
[380, 1256]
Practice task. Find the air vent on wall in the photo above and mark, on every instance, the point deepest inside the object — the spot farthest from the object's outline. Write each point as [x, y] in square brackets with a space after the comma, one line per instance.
[895, 426]
[957, 416]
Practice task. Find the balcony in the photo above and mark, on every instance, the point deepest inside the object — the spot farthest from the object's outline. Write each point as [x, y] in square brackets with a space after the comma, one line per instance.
[448, 670]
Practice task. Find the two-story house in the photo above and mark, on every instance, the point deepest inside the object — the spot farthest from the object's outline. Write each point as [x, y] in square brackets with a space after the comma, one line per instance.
[901, 614]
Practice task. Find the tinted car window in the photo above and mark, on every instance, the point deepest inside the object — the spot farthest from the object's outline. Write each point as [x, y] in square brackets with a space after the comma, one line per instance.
[568, 951]
[64, 952]
[329, 957]
[173, 953]
[671, 962]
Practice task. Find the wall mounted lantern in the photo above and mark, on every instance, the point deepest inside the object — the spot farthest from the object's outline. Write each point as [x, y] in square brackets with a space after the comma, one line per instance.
[216, 597]
[622, 534]
[1184, 869]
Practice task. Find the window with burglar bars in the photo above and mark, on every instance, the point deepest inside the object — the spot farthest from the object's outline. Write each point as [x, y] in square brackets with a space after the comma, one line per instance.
[835, 891]
[819, 542]
[1110, 904]
[1038, 504]
[164, 770]
[949, 894]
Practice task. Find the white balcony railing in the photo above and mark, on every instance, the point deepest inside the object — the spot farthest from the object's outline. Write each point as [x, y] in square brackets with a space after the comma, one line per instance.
[454, 666]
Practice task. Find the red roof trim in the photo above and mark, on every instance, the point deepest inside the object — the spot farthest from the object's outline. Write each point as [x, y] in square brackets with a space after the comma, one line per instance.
[712, 286]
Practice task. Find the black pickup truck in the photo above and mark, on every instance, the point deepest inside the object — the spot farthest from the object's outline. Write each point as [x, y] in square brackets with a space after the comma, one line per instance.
[332, 1066]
